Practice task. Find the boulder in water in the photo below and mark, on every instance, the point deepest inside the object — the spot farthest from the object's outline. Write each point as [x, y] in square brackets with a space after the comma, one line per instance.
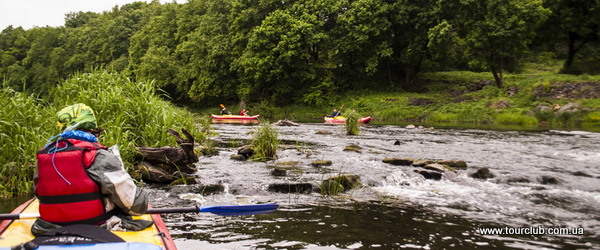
[318, 164]
[431, 175]
[482, 173]
[398, 161]
[548, 180]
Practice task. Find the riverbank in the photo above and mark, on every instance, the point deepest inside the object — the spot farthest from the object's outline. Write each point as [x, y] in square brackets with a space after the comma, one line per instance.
[534, 99]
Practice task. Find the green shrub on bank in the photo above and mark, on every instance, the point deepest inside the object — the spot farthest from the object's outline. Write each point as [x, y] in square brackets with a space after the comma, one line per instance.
[24, 127]
[130, 112]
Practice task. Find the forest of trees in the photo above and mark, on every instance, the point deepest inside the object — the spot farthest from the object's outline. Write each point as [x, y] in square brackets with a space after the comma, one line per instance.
[285, 52]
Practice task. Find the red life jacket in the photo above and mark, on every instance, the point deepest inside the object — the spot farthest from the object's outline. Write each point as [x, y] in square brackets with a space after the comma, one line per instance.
[67, 195]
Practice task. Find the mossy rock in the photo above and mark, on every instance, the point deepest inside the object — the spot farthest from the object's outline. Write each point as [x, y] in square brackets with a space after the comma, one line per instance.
[339, 184]
[422, 163]
[458, 164]
[438, 167]
[354, 148]
[288, 163]
[483, 173]
[318, 164]
[398, 161]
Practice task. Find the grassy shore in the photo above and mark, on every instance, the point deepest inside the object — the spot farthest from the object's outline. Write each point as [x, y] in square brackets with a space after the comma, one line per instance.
[465, 99]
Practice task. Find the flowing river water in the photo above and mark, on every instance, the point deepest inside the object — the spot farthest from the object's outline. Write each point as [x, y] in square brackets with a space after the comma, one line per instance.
[395, 207]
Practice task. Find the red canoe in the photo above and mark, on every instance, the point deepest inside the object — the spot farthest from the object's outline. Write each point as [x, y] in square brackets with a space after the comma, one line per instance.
[342, 119]
[234, 119]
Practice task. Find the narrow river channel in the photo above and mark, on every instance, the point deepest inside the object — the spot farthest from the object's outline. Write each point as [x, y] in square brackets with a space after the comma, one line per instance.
[545, 193]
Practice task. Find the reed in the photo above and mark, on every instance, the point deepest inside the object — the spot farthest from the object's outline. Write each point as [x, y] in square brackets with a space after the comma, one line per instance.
[265, 142]
[352, 126]
[132, 113]
[24, 127]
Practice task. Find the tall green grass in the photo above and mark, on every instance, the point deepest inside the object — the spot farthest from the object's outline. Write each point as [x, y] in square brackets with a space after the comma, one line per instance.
[265, 142]
[131, 113]
[352, 126]
[24, 127]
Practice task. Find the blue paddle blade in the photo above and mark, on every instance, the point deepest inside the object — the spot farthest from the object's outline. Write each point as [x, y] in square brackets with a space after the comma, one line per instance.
[241, 209]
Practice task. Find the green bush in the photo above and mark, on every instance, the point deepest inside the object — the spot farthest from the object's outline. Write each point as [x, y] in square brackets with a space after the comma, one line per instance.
[130, 112]
[352, 126]
[265, 142]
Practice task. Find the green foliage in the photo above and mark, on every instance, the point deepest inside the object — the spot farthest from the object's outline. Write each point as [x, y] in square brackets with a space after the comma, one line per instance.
[130, 112]
[352, 126]
[506, 118]
[265, 142]
[22, 133]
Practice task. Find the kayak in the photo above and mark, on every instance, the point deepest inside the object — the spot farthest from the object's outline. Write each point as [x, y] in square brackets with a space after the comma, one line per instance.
[342, 119]
[234, 119]
[16, 232]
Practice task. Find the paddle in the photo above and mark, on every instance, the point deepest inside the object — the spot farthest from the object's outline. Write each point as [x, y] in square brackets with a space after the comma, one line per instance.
[340, 110]
[223, 106]
[230, 210]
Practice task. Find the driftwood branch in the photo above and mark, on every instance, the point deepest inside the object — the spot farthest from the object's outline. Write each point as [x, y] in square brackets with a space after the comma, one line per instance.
[170, 159]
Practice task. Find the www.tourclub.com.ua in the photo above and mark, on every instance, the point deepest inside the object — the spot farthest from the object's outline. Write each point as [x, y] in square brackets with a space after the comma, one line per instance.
[531, 230]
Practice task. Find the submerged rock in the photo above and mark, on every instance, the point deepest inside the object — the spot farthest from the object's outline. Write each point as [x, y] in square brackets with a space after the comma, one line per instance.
[247, 151]
[548, 180]
[208, 189]
[482, 173]
[353, 147]
[302, 188]
[519, 179]
[279, 172]
[318, 164]
[431, 175]
[288, 163]
[324, 132]
[398, 161]
[238, 157]
[581, 173]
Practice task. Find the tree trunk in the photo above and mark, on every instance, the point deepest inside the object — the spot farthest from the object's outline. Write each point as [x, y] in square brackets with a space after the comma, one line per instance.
[571, 52]
[497, 75]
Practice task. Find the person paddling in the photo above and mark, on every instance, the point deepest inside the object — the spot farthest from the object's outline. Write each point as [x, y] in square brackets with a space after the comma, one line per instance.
[244, 112]
[224, 110]
[335, 113]
[80, 181]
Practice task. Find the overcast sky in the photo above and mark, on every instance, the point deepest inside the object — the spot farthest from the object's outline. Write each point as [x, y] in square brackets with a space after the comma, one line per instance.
[41, 13]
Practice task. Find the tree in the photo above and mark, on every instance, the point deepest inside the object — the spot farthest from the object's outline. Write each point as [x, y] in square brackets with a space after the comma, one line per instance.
[497, 32]
[574, 22]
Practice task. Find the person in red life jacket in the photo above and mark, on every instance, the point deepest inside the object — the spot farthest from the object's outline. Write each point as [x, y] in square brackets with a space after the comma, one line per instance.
[80, 181]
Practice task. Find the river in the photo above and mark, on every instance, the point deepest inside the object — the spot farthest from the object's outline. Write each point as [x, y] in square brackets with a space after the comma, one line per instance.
[395, 207]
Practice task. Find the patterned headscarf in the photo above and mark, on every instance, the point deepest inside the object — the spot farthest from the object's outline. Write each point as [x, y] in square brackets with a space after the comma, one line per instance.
[78, 116]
